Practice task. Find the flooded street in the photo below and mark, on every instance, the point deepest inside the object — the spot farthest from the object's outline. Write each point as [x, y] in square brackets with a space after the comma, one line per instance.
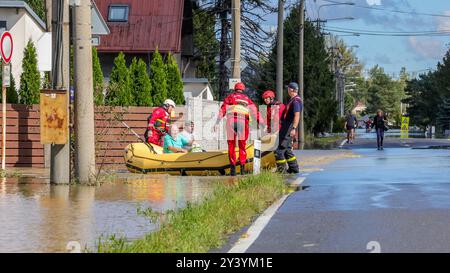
[38, 217]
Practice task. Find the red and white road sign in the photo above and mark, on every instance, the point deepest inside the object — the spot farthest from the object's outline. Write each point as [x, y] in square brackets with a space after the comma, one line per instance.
[6, 46]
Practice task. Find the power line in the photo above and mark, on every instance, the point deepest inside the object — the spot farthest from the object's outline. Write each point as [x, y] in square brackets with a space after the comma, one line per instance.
[383, 33]
[444, 31]
[393, 10]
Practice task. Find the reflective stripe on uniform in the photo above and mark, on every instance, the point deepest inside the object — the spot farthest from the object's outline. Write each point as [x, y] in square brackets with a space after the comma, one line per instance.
[291, 159]
[239, 109]
[281, 161]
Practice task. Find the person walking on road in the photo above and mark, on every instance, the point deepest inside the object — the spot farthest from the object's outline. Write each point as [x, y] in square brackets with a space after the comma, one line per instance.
[350, 124]
[289, 124]
[380, 124]
[237, 108]
[274, 111]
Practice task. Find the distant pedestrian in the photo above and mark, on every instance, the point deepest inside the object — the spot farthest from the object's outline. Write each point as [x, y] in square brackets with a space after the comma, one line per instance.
[350, 124]
[289, 125]
[380, 124]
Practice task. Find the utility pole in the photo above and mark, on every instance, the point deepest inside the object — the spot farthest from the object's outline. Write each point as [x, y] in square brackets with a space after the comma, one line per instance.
[48, 23]
[301, 127]
[84, 95]
[60, 153]
[236, 40]
[280, 41]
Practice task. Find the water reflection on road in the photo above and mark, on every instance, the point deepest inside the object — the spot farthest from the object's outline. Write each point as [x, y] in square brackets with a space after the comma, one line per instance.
[38, 217]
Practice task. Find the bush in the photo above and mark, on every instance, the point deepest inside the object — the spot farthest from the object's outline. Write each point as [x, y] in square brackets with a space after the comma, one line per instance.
[30, 80]
[174, 82]
[158, 79]
[119, 93]
[141, 86]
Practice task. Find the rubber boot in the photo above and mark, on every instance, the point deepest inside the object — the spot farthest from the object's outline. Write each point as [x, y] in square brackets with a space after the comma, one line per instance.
[233, 170]
[243, 170]
[293, 167]
[281, 167]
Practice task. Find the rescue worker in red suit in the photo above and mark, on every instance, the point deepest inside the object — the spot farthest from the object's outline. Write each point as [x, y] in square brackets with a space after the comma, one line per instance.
[237, 108]
[274, 111]
[159, 123]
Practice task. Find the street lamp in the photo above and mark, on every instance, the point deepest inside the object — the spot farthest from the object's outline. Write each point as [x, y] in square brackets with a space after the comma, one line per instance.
[329, 5]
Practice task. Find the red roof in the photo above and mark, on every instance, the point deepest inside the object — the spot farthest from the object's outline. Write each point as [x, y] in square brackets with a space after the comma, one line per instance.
[151, 24]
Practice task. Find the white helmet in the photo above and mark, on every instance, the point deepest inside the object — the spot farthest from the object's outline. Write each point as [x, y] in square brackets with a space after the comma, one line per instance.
[170, 102]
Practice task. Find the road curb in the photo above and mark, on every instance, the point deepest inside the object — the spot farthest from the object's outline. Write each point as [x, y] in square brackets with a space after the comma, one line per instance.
[253, 232]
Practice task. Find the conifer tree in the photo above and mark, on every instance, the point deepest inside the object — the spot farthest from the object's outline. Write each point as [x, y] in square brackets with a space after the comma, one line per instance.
[98, 78]
[141, 87]
[119, 93]
[158, 79]
[30, 80]
[174, 82]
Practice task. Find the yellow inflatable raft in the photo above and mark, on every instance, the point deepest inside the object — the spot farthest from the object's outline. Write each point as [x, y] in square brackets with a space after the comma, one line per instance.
[142, 158]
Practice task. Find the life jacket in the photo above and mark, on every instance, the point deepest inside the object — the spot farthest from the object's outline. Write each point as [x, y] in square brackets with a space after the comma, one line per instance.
[271, 115]
[237, 106]
[158, 120]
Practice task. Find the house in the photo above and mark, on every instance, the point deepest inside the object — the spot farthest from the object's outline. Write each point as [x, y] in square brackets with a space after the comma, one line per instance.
[359, 108]
[24, 24]
[139, 27]
[197, 88]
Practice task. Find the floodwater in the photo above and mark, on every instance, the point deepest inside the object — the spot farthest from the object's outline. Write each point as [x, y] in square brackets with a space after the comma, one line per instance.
[38, 217]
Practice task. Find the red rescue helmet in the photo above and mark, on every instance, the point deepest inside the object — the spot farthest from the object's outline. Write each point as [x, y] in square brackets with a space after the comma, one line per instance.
[268, 94]
[239, 86]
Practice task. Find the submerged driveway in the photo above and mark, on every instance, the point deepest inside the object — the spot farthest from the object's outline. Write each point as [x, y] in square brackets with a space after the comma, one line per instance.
[396, 200]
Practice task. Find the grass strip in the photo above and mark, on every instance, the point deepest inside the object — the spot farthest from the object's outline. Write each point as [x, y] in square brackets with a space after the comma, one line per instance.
[203, 226]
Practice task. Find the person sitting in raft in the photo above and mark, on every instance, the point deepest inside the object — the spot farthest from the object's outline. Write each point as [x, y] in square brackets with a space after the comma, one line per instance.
[174, 142]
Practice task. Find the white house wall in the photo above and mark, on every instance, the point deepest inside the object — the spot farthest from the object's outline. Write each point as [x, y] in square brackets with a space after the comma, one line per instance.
[23, 30]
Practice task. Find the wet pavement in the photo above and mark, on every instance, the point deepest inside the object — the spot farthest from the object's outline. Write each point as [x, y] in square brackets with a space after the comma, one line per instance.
[397, 200]
[38, 217]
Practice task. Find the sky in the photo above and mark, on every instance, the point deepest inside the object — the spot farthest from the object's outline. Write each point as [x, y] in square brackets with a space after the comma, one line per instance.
[416, 53]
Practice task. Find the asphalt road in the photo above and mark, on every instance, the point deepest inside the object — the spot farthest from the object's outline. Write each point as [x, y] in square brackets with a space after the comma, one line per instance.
[396, 200]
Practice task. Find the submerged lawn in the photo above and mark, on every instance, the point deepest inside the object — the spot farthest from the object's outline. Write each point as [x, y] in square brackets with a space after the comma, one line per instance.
[201, 227]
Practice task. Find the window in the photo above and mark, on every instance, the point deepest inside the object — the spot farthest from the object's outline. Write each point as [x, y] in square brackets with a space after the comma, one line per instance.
[2, 26]
[118, 13]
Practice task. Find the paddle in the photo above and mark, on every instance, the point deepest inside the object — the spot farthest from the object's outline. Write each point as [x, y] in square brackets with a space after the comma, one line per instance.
[143, 141]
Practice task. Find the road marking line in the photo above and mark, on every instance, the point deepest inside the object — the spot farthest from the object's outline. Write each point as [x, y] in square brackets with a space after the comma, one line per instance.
[258, 226]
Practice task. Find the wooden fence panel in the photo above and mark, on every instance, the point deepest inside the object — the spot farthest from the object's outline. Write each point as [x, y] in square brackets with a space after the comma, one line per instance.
[23, 148]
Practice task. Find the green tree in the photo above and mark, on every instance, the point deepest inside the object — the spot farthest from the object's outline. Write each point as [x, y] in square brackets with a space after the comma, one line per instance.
[30, 80]
[120, 91]
[320, 105]
[98, 78]
[206, 47]
[385, 94]
[141, 87]
[174, 82]
[37, 6]
[158, 79]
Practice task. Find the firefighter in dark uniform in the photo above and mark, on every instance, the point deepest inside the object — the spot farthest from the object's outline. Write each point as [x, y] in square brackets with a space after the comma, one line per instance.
[289, 123]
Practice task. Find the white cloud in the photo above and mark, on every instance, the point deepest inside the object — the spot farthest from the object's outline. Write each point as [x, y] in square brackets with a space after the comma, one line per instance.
[428, 48]
[374, 2]
[443, 23]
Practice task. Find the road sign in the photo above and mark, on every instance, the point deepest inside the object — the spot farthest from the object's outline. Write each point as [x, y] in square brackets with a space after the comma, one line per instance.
[244, 64]
[405, 124]
[6, 75]
[232, 83]
[6, 46]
